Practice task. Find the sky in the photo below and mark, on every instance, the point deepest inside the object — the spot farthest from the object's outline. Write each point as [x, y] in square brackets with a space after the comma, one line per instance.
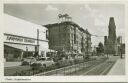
[94, 17]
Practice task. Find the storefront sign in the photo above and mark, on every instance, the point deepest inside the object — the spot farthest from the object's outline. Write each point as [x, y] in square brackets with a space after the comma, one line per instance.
[18, 39]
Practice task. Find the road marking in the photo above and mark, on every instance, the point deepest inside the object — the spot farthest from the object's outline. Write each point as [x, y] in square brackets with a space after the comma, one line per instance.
[94, 67]
[106, 69]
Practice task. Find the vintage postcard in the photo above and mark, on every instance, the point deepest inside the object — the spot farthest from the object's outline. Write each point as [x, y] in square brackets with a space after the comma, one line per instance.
[62, 40]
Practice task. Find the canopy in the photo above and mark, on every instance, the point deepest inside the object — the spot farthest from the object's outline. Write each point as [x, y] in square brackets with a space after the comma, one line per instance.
[22, 47]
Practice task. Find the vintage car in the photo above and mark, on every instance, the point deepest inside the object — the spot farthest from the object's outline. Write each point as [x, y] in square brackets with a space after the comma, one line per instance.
[28, 61]
[45, 61]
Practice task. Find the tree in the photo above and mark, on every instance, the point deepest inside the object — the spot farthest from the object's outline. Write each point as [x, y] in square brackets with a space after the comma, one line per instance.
[100, 48]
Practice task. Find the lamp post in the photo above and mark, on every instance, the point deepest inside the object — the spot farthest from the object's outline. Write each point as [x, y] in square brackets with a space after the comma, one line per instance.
[27, 51]
[37, 46]
[121, 49]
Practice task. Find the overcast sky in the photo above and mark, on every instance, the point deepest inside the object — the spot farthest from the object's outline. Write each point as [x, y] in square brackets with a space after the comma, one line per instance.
[94, 17]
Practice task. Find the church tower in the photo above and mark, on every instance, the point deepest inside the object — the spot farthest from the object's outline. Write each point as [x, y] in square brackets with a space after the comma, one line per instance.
[112, 39]
[112, 30]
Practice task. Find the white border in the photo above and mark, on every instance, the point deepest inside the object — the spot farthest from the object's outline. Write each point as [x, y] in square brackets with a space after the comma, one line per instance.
[120, 78]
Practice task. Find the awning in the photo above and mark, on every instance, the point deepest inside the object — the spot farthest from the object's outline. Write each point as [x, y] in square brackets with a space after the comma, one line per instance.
[22, 47]
[48, 50]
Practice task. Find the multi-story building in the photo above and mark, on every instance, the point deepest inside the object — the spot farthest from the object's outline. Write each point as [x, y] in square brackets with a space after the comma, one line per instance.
[69, 37]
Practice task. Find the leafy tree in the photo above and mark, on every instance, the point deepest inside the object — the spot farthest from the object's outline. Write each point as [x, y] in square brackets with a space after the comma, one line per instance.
[100, 48]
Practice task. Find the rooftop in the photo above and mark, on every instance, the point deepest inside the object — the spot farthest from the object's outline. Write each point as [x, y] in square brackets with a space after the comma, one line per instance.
[70, 23]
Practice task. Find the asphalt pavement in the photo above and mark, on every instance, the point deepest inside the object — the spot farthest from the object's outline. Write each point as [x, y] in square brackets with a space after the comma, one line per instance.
[118, 68]
[11, 64]
[112, 66]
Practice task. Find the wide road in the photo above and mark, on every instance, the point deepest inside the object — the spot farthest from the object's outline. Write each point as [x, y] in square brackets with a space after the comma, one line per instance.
[98, 67]
[101, 69]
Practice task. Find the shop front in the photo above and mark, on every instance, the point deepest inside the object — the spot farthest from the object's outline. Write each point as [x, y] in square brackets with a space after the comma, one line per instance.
[18, 47]
[20, 39]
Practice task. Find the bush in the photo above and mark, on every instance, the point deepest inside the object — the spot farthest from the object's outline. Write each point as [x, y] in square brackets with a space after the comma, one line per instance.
[53, 66]
[36, 66]
[64, 63]
[58, 64]
[71, 62]
[76, 61]
[25, 63]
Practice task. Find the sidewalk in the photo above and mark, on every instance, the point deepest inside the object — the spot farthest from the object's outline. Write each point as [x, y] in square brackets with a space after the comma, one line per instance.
[118, 68]
[11, 64]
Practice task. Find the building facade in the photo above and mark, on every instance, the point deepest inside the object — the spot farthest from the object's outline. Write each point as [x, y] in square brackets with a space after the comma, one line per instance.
[20, 39]
[69, 37]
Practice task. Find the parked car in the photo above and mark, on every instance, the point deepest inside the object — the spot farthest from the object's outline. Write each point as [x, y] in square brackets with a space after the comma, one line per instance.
[45, 61]
[28, 61]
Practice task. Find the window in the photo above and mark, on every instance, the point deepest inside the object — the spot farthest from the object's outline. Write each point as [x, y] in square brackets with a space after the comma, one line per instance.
[75, 35]
[47, 34]
[74, 38]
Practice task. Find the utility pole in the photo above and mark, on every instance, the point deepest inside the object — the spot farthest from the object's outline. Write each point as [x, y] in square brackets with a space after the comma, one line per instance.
[37, 48]
[87, 47]
[121, 49]
[27, 51]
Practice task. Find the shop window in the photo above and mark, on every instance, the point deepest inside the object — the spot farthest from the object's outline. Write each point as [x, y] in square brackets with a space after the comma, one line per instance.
[16, 54]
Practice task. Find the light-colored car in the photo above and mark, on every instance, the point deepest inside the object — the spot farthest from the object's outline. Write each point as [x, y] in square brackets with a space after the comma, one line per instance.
[45, 61]
[29, 60]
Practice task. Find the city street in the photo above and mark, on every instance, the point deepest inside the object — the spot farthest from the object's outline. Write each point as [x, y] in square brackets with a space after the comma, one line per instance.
[109, 67]
[11, 64]
[118, 68]
[99, 67]
[114, 65]
[103, 68]
[65, 43]
[11, 70]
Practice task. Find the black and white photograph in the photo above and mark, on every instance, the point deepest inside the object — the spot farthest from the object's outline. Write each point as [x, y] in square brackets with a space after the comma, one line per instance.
[64, 39]
[66, 82]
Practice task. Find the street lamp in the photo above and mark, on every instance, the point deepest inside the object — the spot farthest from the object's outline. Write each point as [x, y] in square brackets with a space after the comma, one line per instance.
[37, 46]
